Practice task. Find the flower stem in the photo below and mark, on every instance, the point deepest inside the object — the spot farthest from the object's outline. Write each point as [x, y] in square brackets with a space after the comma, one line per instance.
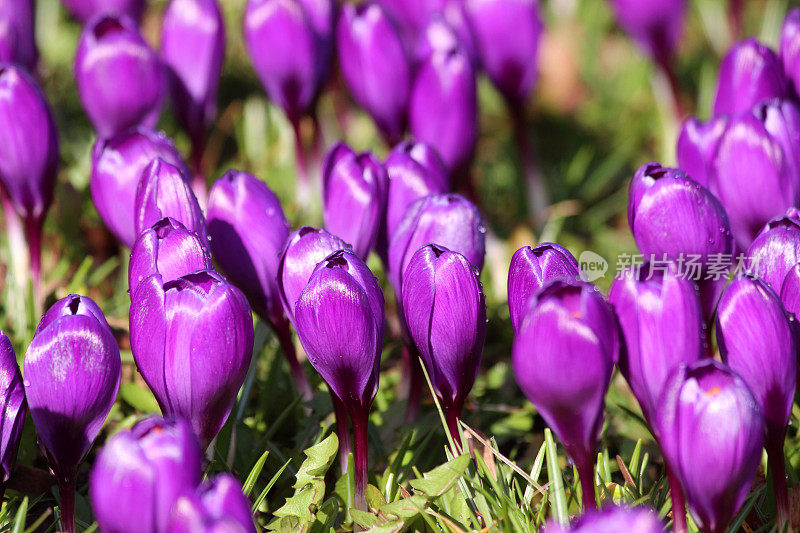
[360, 438]
[342, 431]
[678, 502]
[415, 378]
[303, 187]
[585, 468]
[33, 234]
[284, 335]
[452, 414]
[198, 183]
[66, 494]
[531, 173]
[777, 468]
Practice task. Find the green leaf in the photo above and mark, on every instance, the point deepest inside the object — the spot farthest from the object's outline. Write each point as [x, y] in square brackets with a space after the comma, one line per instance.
[406, 508]
[558, 498]
[439, 480]
[19, 518]
[263, 495]
[252, 477]
[319, 460]
[374, 497]
[139, 398]
[365, 519]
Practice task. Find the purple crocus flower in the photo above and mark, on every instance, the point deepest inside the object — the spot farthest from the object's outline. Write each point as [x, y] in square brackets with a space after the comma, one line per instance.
[711, 432]
[163, 191]
[411, 15]
[563, 356]
[139, 474]
[85, 10]
[193, 48]
[72, 373]
[445, 312]
[169, 249]
[248, 233]
[790, 47]
[305, 248]
[449, 220]
[438, 35]
[192, 339]
[612, 519]
[121, 81]
[374, 65]
[12, 410]
[28, 155]
[697, 144]
[414, 170]
[443, 108]
[757, 340]
[117, 167]
[756, 170]
[354, 191]
[531, 269]
[288, 52]
[218, 505]
[776, 250]
[346, 352]
[790, 291]
[655, 25]
[17, 36]
[511, 63]
[749, 73]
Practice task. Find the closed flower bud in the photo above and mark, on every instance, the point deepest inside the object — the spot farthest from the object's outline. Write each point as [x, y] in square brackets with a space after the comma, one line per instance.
[305, 248]
[711, 432]
[163, 191]
[287, 51]
[662, 327]
[790, 291]
[117, 167]
[415, 170]
[85, 10]
[533, 268]
[613, 518]
[776, 250]
[449, 220]
[790, 47]
[193, 48]
[169, 249]
[697, 144]
[563, 356]
[507, 35]
[756, 170]
[17, 43]
[192, 339]
[445, 311]
[443, 108]
[218, 505]
[438, 35]
[139, 474]
[72, 373]
[121, 81]
[749, 73]
[354, 191]
[374, 65]
[12, 409]
[655, 25]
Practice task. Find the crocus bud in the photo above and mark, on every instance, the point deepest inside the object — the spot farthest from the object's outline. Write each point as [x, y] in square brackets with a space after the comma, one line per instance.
[449, 220]
[533, 268]
[775, 250]
[662, 327]
[511, 63]
[72, 373]
[756, 340]
[217, 505]
[445, 311]
[287, 53]
[339, 319]
[163, 191]
[756, 170]
[438, 35]
[563, 355]
[374, 65]
[169, 249]
[711, 433]
[354, 190]
[790, 291]
[613, 518]
[193, 48]
[139, 474]
[304, 249]
[17, 43]
[790, 47]
[121, 81]
[214, 323]
[12, 409]
[117, 167]
[697, 144]
[85, 10]
[443, 109]
[411, 15]
[749, 73]
[655, 25]
[414, 170]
